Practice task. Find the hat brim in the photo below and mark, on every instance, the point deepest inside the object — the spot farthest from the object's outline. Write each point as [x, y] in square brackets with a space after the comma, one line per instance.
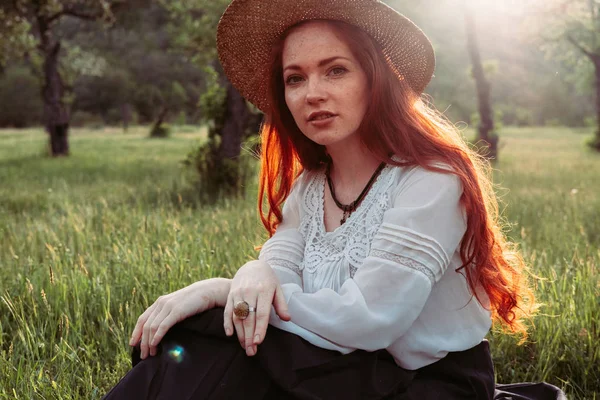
[248, 30]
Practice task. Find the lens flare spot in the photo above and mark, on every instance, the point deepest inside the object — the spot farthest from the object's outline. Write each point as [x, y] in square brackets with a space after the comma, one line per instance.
[176, 353]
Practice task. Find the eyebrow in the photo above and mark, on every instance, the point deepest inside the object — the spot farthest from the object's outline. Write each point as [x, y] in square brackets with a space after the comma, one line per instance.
[321, 63]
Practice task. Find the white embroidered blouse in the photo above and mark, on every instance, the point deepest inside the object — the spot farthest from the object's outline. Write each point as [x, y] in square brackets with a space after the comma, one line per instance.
[386, 278]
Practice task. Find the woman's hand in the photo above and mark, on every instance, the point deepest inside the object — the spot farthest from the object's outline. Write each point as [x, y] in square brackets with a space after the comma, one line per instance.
[257, 284]
[172, 308]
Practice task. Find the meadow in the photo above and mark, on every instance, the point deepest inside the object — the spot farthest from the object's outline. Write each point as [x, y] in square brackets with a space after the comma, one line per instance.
[87, 242]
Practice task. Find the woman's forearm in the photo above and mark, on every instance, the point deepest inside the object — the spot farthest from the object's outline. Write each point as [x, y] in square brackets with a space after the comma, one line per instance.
[219, 290]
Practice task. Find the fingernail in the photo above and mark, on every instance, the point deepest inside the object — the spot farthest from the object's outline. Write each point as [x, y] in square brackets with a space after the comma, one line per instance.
[228, 331]
[250, 350]
[256, 339]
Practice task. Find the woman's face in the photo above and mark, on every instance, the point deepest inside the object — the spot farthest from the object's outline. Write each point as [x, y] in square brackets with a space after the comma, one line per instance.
[326, 89]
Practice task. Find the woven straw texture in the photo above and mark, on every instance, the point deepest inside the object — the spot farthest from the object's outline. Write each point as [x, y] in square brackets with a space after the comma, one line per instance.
[249, 28]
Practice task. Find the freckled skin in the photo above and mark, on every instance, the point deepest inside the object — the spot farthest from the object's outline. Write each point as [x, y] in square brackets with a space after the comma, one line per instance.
[340, 86]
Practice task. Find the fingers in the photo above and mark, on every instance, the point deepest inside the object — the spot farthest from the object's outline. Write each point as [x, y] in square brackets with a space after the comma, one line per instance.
[249, 324]
[137, 331]
[146, 331]
[161, 318]
[168, 310]
[232, 323]
[239, 328]
[237, 323]
[160, 325]
[263, 310]
[281, 307]
[228, 316]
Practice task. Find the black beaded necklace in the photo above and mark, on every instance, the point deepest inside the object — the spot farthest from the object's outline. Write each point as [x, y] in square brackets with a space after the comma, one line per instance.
[350, 208]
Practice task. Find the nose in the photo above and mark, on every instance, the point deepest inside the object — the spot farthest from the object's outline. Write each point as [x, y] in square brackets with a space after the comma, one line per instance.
[315, 92]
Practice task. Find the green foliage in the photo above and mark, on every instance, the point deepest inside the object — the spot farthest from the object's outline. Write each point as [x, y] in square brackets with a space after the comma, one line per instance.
[77, 63]
[219, 177]
[513, 115]
[82, 119]
[140, 54]
[594, 142]
[523, 117]
[114, 116]
[147, 100]
[193, 27]
[150, 100]
[475, 119]
[157, 45]
[88, 242]
[552, 122]
[180, 119]
[562, 30]
[15, 37]
[490, 68]
[590, 122]
[498, 118]
[570, 32]
[20, 98]
[102, 95]
[212, 101]
[177, 96]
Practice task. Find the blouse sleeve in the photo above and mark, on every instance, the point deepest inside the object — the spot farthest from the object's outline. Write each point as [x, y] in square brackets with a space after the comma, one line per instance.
[284, 251]
[409, 254]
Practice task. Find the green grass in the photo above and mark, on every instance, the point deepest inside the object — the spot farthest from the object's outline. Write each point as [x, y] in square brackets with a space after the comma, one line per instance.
[88, 241]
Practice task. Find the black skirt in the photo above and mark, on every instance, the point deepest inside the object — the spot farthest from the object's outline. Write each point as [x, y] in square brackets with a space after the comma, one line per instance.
[196, 360]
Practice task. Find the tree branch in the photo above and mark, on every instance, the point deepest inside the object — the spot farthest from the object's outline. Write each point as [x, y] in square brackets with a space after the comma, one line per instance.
[55, 17]
[82, 15]
[581, 48]
[115, 6]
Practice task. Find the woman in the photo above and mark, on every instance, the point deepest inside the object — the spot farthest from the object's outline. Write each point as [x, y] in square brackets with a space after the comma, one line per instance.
[386, 265]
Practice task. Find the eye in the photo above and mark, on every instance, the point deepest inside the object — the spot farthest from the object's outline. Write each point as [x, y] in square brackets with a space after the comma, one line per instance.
[293, 79]
[337, 71]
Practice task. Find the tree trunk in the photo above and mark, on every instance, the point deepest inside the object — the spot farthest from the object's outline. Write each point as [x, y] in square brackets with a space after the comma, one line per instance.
[125, 115]
[234, 126]
[596, 141]
[486, 125]
[156, 132]
[56, 115]
[232, 133]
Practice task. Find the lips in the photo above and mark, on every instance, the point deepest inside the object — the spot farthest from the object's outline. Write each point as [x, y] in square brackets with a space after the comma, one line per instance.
[320, 116]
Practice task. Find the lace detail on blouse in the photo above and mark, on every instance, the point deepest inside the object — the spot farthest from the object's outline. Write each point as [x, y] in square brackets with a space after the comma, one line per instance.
[332, 257]
[405, 261]
[281, 263]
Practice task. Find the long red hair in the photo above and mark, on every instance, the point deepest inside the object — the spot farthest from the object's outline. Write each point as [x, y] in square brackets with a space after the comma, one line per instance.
[398, 122]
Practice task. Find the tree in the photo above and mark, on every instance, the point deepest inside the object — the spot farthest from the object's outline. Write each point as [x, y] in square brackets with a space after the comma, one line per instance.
[171, 99]
[42, 17]
[486, 124]
[194, 26]
[570, 32]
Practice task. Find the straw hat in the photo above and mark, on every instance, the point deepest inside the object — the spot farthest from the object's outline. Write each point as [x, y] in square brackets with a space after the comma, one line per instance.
[248, 30]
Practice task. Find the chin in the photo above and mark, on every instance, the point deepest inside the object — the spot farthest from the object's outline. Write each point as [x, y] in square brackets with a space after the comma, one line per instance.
[326, 138]
[323, 140]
